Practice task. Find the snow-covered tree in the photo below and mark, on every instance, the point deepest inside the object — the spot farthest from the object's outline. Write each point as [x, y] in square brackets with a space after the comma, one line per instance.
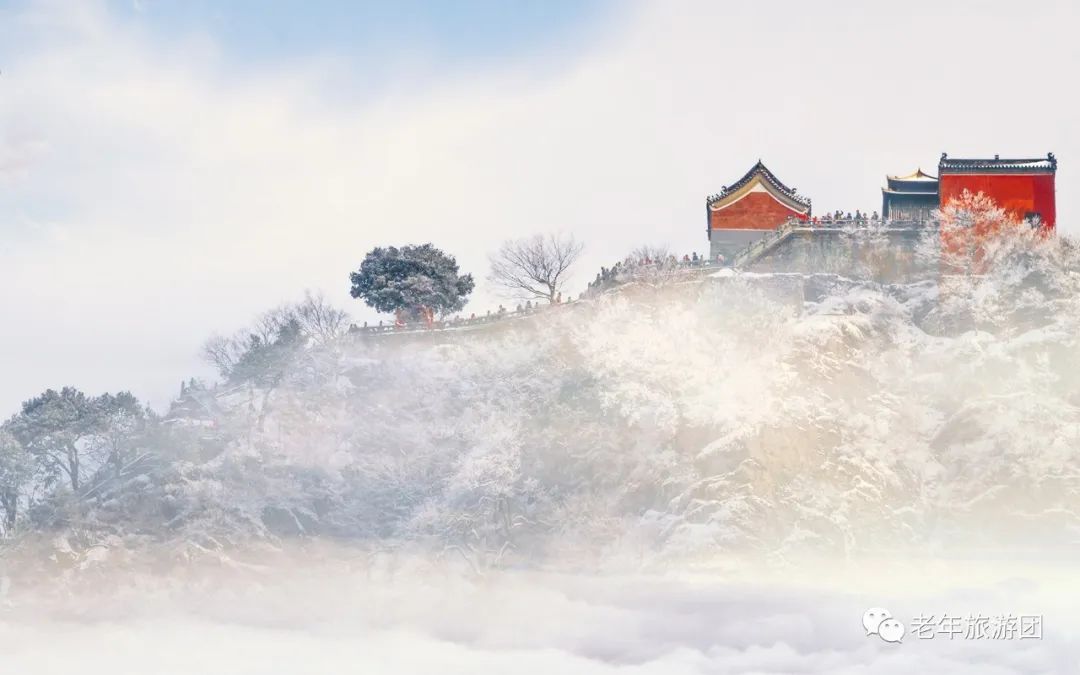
[411, 279]
[65, 429]
[16, 470]
[977, 234]
[122, 430]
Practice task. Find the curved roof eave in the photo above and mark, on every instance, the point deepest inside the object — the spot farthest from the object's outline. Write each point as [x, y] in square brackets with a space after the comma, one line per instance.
[749, 188]
[782, 193]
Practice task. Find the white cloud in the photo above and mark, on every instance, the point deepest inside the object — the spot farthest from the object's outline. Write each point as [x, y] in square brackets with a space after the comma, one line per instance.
[190, 192]
[369, 618]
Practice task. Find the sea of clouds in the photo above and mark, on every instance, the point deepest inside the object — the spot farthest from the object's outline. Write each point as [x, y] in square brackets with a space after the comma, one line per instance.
[400, 616]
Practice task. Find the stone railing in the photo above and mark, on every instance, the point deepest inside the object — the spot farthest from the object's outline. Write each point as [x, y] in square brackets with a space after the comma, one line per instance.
[456, 323]
[756, 249]
[670, 269]
[853, 223]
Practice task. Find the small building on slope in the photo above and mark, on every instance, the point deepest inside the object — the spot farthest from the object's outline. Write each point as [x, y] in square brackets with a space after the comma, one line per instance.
[913, 197]
[750, 208]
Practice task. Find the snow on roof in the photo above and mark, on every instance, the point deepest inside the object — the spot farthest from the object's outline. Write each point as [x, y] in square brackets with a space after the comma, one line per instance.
[918, 175]
[1046, 164]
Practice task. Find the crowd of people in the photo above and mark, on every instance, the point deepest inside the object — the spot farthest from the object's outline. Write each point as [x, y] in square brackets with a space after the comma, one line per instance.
[841, 217]
[635, 267]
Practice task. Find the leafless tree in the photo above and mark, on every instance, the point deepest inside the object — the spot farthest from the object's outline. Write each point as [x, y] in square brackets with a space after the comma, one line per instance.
[535, 267]
[319, 320]
[223, 352]
[268, 325]
[662, 267]
[659, 253]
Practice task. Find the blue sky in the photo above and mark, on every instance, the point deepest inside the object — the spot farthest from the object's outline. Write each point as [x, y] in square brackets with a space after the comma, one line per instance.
[457, 33]
[170, 169]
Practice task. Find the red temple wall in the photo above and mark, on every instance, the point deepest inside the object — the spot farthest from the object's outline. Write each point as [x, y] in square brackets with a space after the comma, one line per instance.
[1019, 194]
[755, 211]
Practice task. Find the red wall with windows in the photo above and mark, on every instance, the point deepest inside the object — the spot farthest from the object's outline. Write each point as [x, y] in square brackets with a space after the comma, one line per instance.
[755, 211]
[1019, 194]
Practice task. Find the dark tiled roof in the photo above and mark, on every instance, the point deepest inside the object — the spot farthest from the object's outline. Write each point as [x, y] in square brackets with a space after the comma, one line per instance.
[997, 165]
[769, 177]
[912, 193]
[926, 185]
[918, 175]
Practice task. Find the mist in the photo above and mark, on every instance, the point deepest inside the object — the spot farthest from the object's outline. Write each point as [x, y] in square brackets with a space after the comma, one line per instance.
[676, 473]
[707, 474]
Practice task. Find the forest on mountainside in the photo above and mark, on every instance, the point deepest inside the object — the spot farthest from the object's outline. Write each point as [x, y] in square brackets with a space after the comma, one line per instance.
[749, 414]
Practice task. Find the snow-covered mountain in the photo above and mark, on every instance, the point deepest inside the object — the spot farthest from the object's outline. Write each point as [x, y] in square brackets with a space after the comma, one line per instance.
[755, 414]
[752, 415]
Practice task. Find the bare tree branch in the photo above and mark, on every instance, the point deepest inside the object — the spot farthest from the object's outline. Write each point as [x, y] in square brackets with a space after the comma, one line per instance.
[654, 264]
[319, 320]
[652, 252]
[224, 352]
[535, 267]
